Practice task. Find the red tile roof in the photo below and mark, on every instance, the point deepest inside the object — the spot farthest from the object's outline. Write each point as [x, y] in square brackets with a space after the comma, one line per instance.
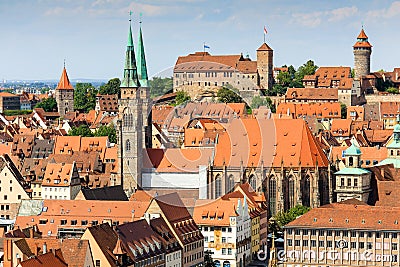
[264, 47]
[64, 83]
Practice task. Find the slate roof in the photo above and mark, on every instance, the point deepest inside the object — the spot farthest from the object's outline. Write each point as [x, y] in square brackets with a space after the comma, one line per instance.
[105, 193]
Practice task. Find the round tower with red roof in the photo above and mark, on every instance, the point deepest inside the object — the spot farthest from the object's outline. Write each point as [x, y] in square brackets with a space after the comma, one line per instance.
[362, 56]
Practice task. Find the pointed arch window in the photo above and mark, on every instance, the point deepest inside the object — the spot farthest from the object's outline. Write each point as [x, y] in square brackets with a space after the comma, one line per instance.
[218, 186]
[272, 195]
[253, 182]
[231, 183]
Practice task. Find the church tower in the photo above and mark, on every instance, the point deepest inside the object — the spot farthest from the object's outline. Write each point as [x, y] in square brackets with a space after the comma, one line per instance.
[131, 128]
[144, 89]
[64, 94]
[353, 181]
[265, 66]
[362, 50]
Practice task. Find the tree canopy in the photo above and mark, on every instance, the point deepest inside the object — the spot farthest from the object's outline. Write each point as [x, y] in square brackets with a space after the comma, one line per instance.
[112, 87]
[48, 104]
[181, 97]
[160, 86]
[343, 111]
[229, 94]
[82, 130]
[259, 101]
[107, 131]
[85, 96]
[292, 78]
[282, 218]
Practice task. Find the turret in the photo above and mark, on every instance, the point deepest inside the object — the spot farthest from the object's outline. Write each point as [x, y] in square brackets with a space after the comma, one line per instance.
[362, 50]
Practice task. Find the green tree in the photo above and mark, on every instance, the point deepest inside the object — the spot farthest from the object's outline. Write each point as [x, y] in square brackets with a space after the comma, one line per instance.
[160, 86]
[343, 111]
[82, 130]
[181, 97]
[208, 261]
[229, 94]
[392, 90]
[307, 68]
[85, 96]
[107, 131]
[258, 101]
[48, 104]
[112, 87]
[283, 218]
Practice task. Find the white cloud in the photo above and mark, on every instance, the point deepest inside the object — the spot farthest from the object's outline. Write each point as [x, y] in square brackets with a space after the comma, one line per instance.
[314, 19]
[390, 12]
[342, 13]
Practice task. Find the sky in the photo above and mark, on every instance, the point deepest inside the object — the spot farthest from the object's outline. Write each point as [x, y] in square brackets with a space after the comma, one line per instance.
[91, 35]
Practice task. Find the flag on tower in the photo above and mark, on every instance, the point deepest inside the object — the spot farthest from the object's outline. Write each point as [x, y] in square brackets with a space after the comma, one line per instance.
[206, 46]
[265, 30]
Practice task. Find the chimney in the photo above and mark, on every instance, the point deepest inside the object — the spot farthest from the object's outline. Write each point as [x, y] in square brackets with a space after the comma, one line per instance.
[31, 232]
[44, 248]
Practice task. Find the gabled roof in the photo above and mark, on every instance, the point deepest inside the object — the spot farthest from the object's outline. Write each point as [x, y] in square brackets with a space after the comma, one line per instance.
[45, 260]
[64, 83]
[105, 193]
[106, 238]
[362, 35]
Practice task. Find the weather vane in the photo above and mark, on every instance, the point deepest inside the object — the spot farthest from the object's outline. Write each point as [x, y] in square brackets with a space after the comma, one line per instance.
[130, 15]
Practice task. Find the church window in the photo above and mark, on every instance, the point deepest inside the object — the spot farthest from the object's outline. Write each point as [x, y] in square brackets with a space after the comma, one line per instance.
[128, 145]
[218, 186]
[231, 183]
[253, 182]
[291, 193]
[272, 195]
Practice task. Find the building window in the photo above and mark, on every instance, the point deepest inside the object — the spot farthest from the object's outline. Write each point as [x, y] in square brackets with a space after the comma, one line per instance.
[229, 251]
[355, 182]
[97, 263]
[63, 222]
[321, 243]
[272, 195]
[297, 242]
[290, 242]
[313, 243]
[218, 186]
[224, 251]
[128, 145]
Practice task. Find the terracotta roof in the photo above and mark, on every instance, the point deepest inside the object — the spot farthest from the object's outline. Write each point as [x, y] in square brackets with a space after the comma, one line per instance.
[74, 251]
[64, 83]
[341, 127]
[369, 155]
[388, 109]
[227, 60]
[335, 73]
[355, 215]
[378, 136]
[264, 47]
[319, 110]
[249, 142]
[216, 212]
[106, 238]
[52, 212]
[60, 174]
[45, 260]
[7, 94]
[247, 67]
[362, 35]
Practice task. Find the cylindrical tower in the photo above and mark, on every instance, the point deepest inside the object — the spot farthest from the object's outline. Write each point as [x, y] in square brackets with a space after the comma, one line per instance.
[362, 56]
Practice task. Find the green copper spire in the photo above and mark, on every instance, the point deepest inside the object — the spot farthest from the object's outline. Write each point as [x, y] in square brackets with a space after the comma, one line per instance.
[130, 71]
[142, 68]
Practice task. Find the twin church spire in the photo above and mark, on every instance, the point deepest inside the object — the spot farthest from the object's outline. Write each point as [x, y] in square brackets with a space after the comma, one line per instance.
[135, 72]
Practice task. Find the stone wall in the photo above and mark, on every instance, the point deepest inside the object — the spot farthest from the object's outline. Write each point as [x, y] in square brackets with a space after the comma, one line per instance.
[383, 98]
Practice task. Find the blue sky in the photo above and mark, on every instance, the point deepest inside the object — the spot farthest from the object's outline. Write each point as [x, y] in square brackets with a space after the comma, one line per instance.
[37, 35]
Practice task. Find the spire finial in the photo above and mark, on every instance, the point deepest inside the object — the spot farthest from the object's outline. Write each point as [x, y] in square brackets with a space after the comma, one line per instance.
[130, 16]
[140, 15]
[64, 63]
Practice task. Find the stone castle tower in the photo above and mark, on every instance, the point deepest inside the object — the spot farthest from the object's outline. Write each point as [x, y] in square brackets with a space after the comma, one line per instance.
[64, 94]
[265, 66]
[362, 55]
[134, 106]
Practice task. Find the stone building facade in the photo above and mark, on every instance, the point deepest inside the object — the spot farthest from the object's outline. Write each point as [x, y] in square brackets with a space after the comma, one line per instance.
[64, 95]
[201, 74]
[362, 50]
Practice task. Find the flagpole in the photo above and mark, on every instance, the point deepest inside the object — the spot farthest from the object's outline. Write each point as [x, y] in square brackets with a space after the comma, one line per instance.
[204, 48]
